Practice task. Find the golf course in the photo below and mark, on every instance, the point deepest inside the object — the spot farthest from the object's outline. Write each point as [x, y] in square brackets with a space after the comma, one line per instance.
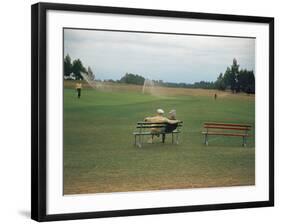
[99, 152]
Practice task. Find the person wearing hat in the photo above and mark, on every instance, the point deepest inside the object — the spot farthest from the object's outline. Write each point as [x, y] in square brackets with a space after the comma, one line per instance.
[159, 118]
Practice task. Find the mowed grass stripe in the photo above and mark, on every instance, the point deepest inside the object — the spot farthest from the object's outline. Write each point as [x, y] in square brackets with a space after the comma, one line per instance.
[99, 155]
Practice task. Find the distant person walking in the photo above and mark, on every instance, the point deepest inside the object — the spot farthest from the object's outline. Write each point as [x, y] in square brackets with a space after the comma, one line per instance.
[215, 96]
[78, 89]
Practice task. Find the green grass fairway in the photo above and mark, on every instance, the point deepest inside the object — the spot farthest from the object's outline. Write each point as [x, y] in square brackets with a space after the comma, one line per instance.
[99, 155]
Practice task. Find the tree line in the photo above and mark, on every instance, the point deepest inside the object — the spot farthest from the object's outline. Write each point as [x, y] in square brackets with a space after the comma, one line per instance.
[73, 69]
[130, 78]
[234, 78]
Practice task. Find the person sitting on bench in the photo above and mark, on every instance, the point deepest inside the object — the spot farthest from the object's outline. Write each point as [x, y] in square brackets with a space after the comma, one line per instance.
[159, 118]
[170, 127]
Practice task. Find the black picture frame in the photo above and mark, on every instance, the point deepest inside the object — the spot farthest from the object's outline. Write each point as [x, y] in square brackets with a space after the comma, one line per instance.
[39, 107]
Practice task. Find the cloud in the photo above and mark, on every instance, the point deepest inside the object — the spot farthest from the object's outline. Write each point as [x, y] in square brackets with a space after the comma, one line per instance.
[173, 58]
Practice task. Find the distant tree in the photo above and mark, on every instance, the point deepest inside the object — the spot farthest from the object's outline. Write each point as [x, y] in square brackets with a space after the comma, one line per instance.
[132, 79]
[67, 65]
[220, 83]
[201, 85]
[235, 72]
[77, 68]
[229, 79]
[237, 80]
[246, 81]
[230, 76]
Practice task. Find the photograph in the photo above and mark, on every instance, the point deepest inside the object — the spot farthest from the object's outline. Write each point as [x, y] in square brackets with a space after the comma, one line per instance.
[154, 111]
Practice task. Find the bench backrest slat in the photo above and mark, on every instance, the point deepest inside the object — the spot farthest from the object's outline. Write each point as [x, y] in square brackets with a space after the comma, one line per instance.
[142, 124]
[236, 128]
[228, 128]
[149, 123]
[227, 124]
[151, 126]
[154, 126]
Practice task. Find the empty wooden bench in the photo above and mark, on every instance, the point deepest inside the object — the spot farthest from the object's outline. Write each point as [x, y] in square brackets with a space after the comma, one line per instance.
[226, 129]
[144, 129]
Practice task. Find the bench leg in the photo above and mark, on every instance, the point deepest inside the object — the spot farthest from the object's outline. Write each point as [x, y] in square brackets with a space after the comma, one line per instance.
[140, 142]
[244, 141]
[177, 139]
[172, 138]
[163, 138]
[206, 139]
[137, 143]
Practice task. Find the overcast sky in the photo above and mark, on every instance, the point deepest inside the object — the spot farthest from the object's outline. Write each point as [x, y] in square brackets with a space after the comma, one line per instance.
[171, 58]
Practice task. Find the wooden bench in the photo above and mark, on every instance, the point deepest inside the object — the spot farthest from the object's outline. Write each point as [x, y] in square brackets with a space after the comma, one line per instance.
[144, 128]
[225, 129]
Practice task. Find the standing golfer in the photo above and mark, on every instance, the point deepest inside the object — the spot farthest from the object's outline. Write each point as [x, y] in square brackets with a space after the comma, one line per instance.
[79, 88]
